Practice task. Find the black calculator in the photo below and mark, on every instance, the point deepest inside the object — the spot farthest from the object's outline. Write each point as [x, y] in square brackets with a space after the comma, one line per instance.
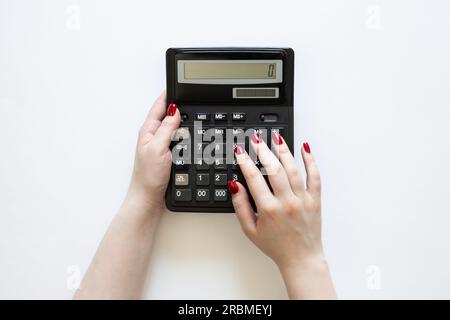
[224, 96]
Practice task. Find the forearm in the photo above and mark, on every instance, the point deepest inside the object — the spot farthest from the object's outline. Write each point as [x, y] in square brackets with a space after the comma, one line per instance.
[119, 267]
[308, 280]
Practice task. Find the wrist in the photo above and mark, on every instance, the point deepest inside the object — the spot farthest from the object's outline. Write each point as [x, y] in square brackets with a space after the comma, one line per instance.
[309, 278]
[316, 262]
[140, 203]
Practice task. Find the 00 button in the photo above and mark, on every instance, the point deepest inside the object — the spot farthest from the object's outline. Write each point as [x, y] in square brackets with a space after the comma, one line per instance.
[202, 195]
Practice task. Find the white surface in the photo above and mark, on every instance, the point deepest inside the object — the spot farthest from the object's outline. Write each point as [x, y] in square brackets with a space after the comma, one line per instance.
[372, 98]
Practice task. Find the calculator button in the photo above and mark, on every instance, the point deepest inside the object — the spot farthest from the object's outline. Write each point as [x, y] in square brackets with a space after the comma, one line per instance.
[184, 117]
[219, 150]
[220, 179]
[201, 165]
[220, 195]
[280, 131]
[269, 118]
[183, 195]
[219, 132]
[202, 195]
[238, 132]
[238, 116]
[238, 135]
[202, 179]
[199, 147]
[181, 134]
[219, 164]
[180, 164]
[182, 150]
[202, 117]
[181, 179]
[263, 133]
[201, 132]
[221, 116]
[236, 176]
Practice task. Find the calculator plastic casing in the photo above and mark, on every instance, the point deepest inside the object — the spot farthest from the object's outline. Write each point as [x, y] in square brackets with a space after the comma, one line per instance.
[211, 98]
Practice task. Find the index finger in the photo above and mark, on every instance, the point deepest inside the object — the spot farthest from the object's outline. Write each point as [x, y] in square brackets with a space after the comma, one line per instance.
[255, 181]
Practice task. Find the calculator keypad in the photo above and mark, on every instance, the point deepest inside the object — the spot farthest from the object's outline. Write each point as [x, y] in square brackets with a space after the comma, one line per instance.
[204, 183]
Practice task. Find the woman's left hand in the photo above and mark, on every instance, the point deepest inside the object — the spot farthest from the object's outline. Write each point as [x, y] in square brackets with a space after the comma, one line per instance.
[153, 157]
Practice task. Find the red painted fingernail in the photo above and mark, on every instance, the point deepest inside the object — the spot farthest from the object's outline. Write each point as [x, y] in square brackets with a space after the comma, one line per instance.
[233, 187]
[256, 138]
[276, 137]
[171, 109]
[239, 150]
[306, 147]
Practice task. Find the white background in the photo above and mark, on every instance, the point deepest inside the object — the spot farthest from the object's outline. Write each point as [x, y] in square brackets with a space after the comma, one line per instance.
[372, 98]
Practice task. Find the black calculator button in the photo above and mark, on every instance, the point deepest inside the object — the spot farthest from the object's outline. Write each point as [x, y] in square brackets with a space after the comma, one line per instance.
[219, 150]
[277, 130]
[262, 132]
[237, 176]
[219, 132]
[181, 150]
[202, 179]
[219, 164]
[181, 179]
[220, 195]
[184, 117]
[181, 134]
[202, 117]
[183, 195]
[238, 116]
[238, 131]
[202, 165]
[238, 135]
[199, 147]
[202, 195]
[180, 164]
[220, 179]
[200, 132]
[221, 116]
[269, 117]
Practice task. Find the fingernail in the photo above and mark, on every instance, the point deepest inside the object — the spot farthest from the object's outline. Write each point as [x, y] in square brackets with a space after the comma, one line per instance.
[171, 109]
[238, 150]
[233, 187]
[256, 138]
[276, 137]
[306, 147]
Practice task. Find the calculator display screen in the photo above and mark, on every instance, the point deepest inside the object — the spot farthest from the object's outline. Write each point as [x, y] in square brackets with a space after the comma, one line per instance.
[229, 71]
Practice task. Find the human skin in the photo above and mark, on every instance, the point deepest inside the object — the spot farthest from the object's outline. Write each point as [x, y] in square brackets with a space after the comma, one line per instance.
[287, 227]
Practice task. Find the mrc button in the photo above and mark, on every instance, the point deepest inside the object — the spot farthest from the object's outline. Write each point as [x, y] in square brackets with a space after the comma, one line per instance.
[202, 117]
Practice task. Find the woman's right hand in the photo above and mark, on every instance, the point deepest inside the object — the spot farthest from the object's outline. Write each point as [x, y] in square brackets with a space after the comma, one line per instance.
[287, 226]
